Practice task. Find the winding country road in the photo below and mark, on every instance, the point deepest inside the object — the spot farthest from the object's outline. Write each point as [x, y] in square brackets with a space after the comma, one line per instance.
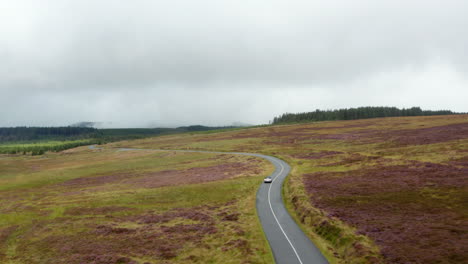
[287, 241]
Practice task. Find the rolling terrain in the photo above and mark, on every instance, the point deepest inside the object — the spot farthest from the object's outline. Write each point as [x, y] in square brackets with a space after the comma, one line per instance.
[390, 190]
[110, 206]
[387, 190]
[38, 140]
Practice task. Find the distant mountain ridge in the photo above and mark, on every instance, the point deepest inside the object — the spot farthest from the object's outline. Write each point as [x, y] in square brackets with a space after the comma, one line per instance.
[85, 130]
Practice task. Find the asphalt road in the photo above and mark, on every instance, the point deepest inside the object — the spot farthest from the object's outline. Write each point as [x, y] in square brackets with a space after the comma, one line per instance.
[287, 241]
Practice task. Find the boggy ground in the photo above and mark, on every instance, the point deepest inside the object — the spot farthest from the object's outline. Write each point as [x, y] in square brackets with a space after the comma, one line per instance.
[388, 190]
[105, 206]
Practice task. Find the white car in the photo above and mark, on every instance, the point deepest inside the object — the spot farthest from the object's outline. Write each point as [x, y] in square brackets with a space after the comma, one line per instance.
[267, 180]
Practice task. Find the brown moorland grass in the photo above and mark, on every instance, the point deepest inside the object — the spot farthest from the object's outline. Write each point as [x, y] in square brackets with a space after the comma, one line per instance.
[390, 190]
[107, 206]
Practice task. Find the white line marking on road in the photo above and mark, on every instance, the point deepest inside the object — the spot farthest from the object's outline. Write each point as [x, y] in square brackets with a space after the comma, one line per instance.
[269, 189]
[271, 208]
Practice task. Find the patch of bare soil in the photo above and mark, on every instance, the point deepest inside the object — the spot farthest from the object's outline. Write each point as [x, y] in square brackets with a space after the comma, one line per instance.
[415, 212]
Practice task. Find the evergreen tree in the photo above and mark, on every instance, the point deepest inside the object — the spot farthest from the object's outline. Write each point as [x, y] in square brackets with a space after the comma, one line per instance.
[356, 113]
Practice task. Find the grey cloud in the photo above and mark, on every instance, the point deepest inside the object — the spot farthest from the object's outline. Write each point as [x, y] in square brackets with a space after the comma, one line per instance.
[180, 62]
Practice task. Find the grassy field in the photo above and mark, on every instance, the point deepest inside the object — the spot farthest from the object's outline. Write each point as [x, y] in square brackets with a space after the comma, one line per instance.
[40, 147]
[110, 206]
[392, 190]
[38, 140]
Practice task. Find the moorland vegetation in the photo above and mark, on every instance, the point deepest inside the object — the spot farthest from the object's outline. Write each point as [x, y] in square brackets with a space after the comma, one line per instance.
[382, 190]
[111, 206]
[388, 190]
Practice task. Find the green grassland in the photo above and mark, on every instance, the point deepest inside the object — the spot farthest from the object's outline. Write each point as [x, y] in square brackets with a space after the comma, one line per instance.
[388, 190]
[110, 206]
[386, 182]
[40, 147]
[38, 140]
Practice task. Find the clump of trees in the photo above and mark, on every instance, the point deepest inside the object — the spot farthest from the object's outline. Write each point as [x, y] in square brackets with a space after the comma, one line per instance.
[15, 134]
[41, 148]
[38, 140]
[356, 113]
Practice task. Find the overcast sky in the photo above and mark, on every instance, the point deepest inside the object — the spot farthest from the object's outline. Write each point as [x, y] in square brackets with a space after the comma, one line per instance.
[214, 62]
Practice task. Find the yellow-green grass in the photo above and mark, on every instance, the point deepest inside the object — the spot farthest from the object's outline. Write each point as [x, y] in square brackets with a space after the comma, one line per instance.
[40, 147]
[360, 149]
[55, 206]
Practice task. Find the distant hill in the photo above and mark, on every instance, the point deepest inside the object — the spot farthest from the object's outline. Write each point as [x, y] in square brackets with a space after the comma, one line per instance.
[356, 113]
[200, 128]
[38, 140]
[241, 124]
[84, 130]
[13, 134]
[84, 124]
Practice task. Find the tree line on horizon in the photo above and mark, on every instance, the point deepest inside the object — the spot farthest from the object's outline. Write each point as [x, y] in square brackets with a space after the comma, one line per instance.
[356, 113]
[25, 134]
[38, 140]
[41, 148]
[14, 134]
